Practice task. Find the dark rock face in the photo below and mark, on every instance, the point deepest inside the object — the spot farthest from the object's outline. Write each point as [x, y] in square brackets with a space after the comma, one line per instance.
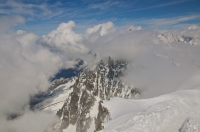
[90, 88]
[103, 113]
[75, 111]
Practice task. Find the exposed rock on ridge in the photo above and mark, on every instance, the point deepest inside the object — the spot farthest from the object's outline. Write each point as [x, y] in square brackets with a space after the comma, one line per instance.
[83, 109]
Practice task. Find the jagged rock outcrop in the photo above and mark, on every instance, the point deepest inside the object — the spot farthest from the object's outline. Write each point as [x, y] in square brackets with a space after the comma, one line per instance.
[83, 109]
[103, 115]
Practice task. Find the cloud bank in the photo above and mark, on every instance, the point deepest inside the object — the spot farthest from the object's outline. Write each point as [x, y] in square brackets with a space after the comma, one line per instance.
[28, 61]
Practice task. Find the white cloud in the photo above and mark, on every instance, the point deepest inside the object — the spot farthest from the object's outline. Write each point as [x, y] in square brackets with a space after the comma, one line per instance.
[30, 10]
[66, 41]
[26, 66]
[133, 28]
[167, 23]
[29, 122]
[102, 29]
[161, 5]
[150, 70]
[8, 21]
[63, 36]
[106, 5]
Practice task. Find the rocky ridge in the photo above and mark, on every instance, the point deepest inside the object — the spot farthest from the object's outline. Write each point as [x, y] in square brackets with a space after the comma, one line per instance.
[82, 110]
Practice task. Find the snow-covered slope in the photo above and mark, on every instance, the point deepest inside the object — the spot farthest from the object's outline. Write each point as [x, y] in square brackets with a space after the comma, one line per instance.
[165, 113]
[57, 95]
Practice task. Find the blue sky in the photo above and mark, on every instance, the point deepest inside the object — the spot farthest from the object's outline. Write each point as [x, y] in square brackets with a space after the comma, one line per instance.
[42, 16]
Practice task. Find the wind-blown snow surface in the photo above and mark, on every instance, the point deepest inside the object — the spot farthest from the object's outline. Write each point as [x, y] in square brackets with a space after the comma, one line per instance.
[190, 125]
[165, 113]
